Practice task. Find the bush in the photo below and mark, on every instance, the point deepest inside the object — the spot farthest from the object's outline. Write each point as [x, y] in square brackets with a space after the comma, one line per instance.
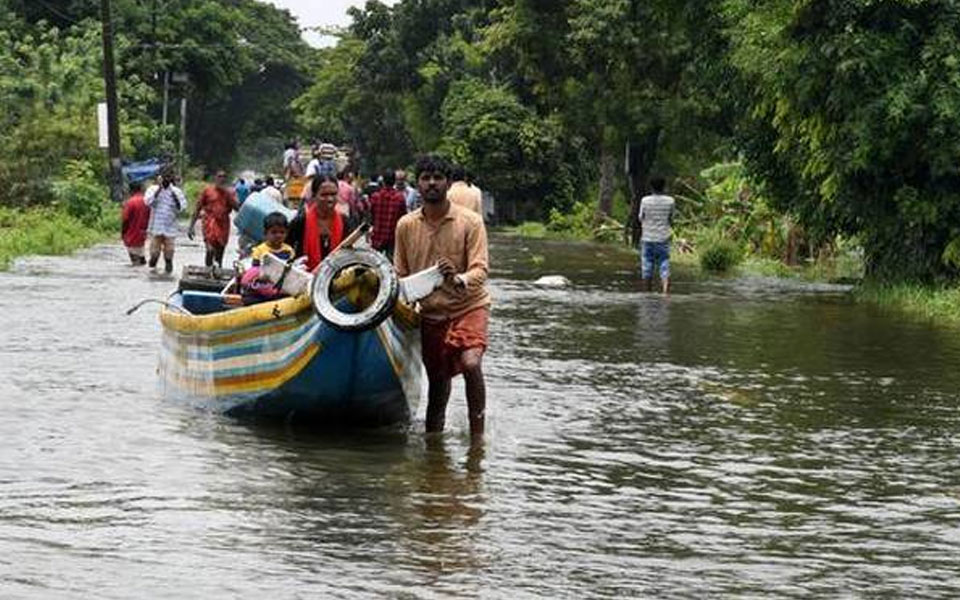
[80, 194]
[44, 231]
[531, 229]
[577, 223]
[719, 254]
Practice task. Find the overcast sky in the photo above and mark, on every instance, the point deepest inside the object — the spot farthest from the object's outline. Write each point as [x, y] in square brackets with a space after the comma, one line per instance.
[320, 12]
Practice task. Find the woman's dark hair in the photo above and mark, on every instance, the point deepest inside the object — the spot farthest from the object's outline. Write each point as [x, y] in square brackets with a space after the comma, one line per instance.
[432, 163]
[320, 180]
[275, 219]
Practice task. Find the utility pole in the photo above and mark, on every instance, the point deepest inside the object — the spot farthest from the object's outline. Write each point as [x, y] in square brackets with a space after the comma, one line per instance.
[166, 99]
[113, 121]
[183, 80]
[183, 133]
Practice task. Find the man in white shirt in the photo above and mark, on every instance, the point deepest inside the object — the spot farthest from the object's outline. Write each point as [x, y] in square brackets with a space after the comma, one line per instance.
[291, 161]
[656, 217]
[166, 202]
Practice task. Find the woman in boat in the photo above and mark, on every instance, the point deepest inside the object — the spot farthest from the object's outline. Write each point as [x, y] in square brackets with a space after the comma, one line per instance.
[318, 228]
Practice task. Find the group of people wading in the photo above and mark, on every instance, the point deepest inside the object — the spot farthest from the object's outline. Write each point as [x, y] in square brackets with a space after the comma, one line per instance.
[437, 223]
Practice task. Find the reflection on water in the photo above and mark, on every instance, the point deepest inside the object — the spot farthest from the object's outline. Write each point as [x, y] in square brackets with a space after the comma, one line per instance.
[745, 438]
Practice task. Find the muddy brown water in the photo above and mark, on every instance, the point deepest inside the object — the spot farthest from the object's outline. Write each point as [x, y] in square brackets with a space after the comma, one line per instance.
[744, 438]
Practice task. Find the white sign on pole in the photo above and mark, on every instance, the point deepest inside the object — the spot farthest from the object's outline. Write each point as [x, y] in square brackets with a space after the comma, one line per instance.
[102, 125]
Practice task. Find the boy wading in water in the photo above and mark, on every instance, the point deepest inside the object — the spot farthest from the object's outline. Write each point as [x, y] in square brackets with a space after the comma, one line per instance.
[656, 216]
[455, 317]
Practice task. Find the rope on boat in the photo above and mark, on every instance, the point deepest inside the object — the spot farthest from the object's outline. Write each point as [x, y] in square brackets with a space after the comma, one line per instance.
[169, 305]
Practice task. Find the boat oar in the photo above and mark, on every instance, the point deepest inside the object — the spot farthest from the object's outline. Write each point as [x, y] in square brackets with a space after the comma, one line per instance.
[169, 305]
[355, 235]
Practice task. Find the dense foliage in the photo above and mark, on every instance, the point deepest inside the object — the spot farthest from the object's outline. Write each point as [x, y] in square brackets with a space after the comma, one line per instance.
[856, 126]
[784, 125]
[244, 60]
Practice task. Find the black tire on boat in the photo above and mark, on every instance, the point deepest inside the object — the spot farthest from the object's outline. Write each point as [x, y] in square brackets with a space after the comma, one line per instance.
[379, 309]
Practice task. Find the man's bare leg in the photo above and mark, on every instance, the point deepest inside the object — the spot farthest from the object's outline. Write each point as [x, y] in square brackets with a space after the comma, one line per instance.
[210, 256]
[438, 394]
[666, 285]
[476, 392]
[168, 258]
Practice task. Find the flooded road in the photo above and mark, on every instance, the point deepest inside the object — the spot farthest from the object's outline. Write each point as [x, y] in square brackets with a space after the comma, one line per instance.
[745, 438]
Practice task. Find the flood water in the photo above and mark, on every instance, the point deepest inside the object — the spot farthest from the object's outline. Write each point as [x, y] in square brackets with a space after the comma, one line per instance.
[741, 438]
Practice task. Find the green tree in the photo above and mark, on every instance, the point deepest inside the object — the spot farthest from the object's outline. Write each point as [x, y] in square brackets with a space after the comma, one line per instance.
[489, 131]
[50, 85]
[858, 103]
[245, 60]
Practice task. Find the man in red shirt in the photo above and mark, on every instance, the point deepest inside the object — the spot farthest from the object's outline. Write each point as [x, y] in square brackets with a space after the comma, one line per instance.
[135, 218]
[215, 203]
[387, 205]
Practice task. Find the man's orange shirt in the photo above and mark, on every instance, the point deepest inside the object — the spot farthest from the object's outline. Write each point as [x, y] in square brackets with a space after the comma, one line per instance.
[466, 196]
[460, 237]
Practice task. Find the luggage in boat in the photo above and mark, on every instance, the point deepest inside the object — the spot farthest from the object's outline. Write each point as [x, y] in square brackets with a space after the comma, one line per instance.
[205, 279]
[250, 218]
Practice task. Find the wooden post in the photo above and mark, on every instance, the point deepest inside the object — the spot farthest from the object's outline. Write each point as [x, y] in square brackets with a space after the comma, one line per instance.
[113, 121]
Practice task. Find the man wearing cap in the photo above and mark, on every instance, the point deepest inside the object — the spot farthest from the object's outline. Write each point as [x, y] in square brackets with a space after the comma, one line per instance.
[322, 163]
[215, 203]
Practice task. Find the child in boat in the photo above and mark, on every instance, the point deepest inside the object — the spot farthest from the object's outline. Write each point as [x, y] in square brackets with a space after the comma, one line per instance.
[254, 286]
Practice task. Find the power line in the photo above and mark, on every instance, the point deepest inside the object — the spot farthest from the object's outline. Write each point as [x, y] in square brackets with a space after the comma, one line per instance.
[57, 12]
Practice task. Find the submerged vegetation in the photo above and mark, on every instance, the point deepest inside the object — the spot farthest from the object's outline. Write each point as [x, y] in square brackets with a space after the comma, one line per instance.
[939, 304]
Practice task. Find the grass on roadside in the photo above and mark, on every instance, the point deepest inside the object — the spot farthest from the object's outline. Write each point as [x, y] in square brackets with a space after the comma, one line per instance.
[50, 232]
[938, 304]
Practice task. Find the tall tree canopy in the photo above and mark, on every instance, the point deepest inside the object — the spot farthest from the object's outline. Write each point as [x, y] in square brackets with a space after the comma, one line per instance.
[245, 60]
[856, 122]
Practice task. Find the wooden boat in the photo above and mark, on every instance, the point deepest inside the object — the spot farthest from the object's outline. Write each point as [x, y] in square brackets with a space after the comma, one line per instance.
[283, 359]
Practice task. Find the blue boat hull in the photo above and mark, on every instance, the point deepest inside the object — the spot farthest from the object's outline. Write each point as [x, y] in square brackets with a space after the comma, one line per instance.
[279, 360]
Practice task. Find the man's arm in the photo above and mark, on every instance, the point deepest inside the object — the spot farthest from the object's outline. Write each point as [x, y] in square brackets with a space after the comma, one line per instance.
[196, 214]
[125, 219]
[400, 264]
[478, 258]
[151, 196]
[181, 198]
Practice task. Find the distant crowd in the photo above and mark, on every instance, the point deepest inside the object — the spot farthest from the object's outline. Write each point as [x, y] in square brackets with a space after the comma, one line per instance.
[150, 215]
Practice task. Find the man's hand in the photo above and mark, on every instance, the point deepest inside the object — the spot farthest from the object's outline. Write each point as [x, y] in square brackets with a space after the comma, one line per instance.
[450, 274]
[446, 267]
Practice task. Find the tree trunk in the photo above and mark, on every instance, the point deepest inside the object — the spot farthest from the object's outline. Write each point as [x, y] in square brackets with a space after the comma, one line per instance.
[608, 180]
[643, 154]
